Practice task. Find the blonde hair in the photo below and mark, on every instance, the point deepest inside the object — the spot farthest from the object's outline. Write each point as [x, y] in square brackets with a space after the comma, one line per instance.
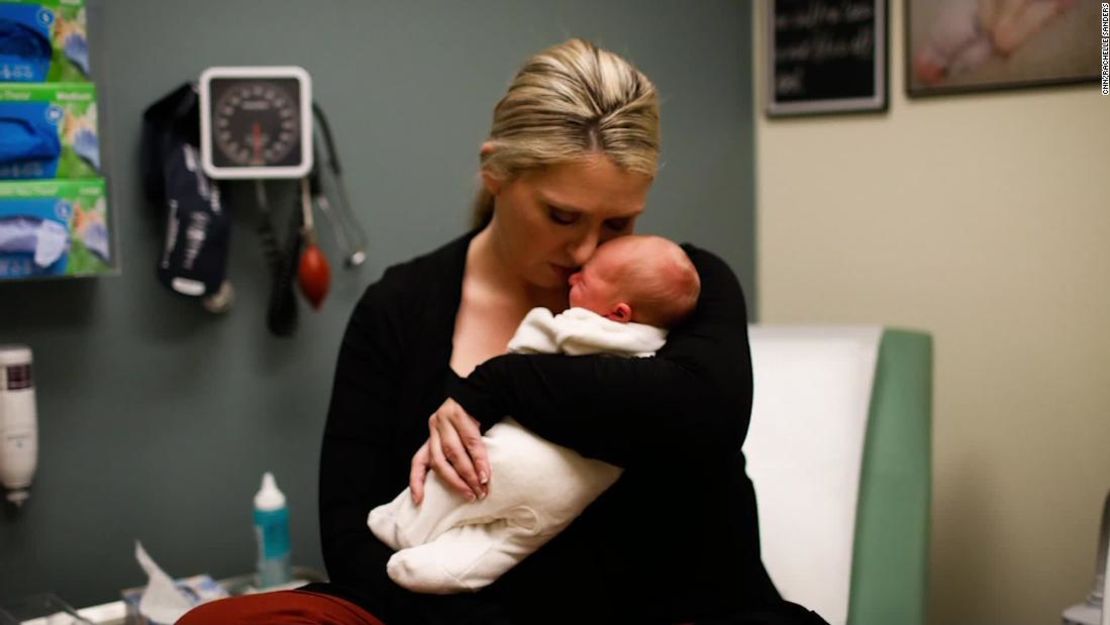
[569, 100]
[657, 277]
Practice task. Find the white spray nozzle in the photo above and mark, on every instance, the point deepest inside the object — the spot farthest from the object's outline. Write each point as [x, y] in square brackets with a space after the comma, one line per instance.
[269, 497]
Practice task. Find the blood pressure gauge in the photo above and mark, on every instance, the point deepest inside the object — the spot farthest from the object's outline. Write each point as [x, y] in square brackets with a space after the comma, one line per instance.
[256, 122]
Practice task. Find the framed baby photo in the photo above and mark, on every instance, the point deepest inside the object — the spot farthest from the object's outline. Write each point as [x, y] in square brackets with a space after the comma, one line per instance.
[962, 46]
[826, 56]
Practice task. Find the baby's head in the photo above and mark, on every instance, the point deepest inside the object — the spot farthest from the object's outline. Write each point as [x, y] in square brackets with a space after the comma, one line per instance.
[645, 279]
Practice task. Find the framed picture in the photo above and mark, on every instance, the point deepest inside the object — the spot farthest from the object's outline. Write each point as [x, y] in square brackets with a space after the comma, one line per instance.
[960, 46]
[826, 56]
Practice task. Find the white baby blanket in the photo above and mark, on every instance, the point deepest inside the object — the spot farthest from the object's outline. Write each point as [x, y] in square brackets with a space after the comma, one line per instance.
[536, 489]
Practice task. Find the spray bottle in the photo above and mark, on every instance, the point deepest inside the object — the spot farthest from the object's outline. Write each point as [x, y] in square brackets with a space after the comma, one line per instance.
[271, 527]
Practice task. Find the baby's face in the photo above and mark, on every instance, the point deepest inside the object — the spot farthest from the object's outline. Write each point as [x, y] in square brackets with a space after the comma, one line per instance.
[592, 287]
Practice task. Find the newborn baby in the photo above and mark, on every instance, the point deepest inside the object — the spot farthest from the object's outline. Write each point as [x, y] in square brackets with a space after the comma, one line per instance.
[968, 33]
[621, 303]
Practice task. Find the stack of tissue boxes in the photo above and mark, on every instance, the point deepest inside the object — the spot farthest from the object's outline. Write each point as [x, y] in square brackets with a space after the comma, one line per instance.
[53, 203]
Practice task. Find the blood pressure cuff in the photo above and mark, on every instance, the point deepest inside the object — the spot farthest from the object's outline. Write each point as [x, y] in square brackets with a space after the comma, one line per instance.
[197, 229]
[25, 47]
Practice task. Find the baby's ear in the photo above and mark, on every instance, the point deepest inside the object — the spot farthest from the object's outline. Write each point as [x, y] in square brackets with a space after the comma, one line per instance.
[622, 313]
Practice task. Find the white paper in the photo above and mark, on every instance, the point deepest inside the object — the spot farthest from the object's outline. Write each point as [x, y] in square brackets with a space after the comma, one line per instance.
[161, 602]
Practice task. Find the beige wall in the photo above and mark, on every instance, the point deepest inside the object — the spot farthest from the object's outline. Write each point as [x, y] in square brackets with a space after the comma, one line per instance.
[985, 220]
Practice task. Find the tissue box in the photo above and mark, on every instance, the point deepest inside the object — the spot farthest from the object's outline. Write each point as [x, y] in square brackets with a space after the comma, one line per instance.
[49, 131]
[54, 228]
[198, 588]
[45, 41]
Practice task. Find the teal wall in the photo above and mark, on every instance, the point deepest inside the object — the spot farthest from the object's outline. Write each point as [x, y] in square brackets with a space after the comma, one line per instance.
[156, 418]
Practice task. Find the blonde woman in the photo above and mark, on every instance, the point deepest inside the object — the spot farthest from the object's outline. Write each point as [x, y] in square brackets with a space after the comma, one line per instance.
[568, 165]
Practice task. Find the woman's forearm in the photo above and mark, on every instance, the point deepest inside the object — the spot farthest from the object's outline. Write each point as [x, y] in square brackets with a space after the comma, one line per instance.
[693, 397]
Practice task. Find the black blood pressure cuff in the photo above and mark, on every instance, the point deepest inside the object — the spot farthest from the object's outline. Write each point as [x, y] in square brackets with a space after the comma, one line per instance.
[194, 257]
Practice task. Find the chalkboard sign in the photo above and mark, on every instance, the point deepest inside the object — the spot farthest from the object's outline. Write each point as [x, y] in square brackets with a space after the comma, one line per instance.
[826, 56]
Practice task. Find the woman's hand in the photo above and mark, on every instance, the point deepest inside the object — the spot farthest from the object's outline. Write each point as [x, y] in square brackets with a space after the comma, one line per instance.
[455, 451]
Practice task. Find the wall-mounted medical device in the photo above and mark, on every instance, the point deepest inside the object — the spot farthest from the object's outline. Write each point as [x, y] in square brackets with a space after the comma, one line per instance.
[256, 122]
[18, 425]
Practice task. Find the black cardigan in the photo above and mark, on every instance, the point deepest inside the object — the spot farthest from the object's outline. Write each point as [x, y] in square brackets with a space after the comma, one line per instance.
[673, 541]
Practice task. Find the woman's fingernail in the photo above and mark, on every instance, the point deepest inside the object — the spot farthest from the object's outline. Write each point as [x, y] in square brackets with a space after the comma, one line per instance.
[482, 477]
[470, 496]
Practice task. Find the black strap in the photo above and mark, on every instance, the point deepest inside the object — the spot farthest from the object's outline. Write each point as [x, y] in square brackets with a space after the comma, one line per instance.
[284, 262]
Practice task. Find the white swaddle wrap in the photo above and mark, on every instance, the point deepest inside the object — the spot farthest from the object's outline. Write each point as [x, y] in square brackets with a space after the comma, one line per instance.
[536, 488]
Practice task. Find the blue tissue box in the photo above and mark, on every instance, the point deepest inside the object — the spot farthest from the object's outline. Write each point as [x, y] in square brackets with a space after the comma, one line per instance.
[43, 41]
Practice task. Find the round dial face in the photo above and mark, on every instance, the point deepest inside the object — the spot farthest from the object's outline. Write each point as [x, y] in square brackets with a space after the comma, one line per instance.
[256, 122]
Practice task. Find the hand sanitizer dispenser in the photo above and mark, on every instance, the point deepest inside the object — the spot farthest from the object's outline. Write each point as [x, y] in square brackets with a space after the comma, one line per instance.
[18, 427]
